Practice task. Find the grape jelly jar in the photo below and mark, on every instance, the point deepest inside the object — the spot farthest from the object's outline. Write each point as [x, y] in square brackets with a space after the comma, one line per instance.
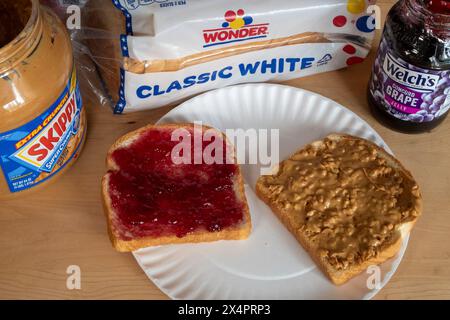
[409, 89]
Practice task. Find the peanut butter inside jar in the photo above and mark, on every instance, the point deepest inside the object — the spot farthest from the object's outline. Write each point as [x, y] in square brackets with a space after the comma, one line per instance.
[42, 125]
[14, 15]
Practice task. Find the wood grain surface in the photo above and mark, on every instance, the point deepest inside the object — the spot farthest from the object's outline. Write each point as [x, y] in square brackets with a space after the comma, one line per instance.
[44, 232]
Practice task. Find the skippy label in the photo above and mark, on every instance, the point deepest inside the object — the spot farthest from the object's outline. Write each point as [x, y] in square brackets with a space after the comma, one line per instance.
[39, 149]
[408, 92]
[137, 91]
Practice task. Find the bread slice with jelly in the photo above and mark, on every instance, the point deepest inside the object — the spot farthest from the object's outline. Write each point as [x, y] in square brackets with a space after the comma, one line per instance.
[347, 201]
[158, 191]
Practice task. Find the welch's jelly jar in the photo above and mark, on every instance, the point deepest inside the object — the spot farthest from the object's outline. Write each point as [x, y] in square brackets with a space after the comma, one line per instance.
[409, 89]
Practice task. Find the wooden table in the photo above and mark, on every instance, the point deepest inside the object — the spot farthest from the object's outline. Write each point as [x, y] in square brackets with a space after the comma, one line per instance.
[45, 232]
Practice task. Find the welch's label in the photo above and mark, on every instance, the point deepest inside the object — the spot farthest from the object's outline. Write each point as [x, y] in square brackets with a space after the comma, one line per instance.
[409, 78]
[408, 92]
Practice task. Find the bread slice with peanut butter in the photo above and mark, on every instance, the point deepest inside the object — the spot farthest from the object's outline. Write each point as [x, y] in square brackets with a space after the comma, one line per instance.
[347, 201]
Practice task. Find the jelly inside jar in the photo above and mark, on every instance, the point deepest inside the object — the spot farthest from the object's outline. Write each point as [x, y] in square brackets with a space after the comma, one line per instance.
[439, 6]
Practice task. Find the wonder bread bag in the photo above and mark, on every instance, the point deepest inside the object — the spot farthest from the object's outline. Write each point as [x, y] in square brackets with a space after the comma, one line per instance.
[155, 52]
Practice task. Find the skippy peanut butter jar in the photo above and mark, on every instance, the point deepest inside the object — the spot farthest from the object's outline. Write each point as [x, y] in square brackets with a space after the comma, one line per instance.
[42, 122]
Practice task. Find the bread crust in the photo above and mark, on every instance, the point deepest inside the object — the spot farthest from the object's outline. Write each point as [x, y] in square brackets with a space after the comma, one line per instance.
[339, 277]
[239, 232]
[140, 67]
[105, 23]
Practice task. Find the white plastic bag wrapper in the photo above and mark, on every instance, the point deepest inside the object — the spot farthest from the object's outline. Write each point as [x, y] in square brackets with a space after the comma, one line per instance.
[92, 88]
[151, 53]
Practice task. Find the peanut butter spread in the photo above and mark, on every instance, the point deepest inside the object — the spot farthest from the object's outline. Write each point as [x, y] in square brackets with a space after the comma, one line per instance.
[345, 198]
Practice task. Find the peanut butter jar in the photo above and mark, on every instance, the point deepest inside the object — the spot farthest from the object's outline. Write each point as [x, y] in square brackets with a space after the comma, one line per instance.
[42, 120]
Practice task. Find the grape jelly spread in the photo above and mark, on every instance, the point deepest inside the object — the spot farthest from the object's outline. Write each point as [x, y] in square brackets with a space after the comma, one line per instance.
[155, 197]
[410, 85]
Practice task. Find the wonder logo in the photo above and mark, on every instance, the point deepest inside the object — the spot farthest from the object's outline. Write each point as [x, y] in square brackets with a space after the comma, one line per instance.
[237, 27]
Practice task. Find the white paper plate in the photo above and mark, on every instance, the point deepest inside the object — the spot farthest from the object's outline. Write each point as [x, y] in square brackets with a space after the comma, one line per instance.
[270, 264]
